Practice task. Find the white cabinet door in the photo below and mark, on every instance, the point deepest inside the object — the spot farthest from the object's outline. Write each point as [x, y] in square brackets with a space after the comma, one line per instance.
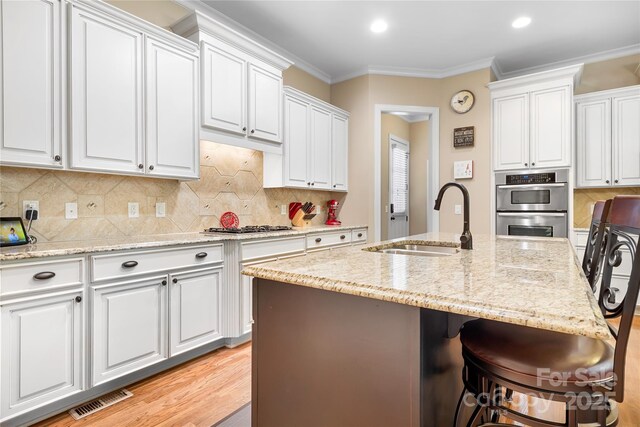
[265, 104]
[224, 88]
[195, 309]
[30, 72]
[593, 143]
[172, 111]
[41, 357]
[320, 141]
[129, 327]
[511, 131]
[106, 94]
[296, 149]
[550, 127]
[626, 140]
[339, 153]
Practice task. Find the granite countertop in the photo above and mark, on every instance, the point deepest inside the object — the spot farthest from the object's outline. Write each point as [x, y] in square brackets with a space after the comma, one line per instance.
[535, 282]
[49, 249]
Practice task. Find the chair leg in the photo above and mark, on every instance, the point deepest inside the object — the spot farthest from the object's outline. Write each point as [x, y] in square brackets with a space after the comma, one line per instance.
[508, 396]
[572, 417]
[476, 417]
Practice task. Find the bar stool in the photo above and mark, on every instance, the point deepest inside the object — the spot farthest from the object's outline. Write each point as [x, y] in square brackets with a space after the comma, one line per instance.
[592, 259]
[498, 355]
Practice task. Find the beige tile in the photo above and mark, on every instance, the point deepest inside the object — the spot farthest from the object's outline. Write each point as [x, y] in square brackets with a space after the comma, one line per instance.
[255, 166]
[90, 205]
[14, 180]
[144, 225]
[88, 229]
[157, 187]
[9, 205]
[183, 207]
[210, 183]
[116, 201]
[227, 159]
[230, 202]
[51, 194]
[89, 183]
[203, 222]
[245, 185]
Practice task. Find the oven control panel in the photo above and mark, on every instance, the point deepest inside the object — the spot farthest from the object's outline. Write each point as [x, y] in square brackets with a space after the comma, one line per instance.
[532, 178]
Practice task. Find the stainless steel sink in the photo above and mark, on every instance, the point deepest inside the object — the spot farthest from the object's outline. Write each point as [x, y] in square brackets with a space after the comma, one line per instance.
[419, 250]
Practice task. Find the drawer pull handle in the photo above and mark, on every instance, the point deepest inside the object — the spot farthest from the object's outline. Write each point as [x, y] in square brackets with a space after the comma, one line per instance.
[343, 237]
[175, 280]
[44, 275]
[78, 299]
[318, 240]
[359, 234]
[201, 255]
[129, 264]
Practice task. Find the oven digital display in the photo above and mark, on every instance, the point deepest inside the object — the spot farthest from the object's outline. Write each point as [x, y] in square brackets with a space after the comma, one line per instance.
[531, 230]
[534, 178]
[531, 197]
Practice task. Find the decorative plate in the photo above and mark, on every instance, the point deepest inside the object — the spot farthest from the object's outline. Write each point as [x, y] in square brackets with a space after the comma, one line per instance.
[229, 220]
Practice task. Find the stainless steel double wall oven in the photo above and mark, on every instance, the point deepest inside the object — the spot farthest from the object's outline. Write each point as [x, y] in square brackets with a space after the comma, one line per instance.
[532, 204]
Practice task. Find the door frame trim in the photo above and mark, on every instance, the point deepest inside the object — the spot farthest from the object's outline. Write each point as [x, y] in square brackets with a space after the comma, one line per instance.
[433, 165]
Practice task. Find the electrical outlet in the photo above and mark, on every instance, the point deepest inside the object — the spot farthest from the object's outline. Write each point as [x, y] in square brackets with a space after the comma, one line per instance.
[161, 210]
[283, 209]
[134, 209]
[458, 209]
[71, 210]
[30, 204]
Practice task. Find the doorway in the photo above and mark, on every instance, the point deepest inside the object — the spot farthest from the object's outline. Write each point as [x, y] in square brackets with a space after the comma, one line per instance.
[406, 178]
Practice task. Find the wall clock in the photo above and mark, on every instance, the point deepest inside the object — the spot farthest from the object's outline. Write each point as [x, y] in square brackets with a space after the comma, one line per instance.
[462, 101]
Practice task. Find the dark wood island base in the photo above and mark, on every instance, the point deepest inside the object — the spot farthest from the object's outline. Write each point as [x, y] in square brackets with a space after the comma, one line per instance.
[323, 358]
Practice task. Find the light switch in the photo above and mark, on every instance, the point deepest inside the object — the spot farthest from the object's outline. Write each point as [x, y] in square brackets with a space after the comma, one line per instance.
[463, 169]
[134, 209]
[458, 209]
[161, 210]
[71, 210]
[283, 209]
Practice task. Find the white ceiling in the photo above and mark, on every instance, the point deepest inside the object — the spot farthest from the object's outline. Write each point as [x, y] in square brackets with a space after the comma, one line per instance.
[437, 38]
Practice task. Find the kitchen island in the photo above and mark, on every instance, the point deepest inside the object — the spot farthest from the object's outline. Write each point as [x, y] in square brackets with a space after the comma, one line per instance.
[359, 337]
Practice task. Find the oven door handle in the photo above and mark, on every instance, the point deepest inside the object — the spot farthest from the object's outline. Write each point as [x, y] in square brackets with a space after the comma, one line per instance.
[532, 213]
[532, 186]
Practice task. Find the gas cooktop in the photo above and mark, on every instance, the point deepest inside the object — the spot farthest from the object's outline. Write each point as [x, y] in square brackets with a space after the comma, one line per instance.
[248, 229]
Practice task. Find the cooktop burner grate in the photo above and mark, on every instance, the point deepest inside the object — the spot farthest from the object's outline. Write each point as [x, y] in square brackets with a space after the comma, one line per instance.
[248, 229]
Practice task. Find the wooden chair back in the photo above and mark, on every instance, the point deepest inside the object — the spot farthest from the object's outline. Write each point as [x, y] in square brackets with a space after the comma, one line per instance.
[596, 242]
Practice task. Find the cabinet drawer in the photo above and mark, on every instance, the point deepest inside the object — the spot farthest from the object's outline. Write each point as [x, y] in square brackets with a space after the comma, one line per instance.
[328, 239]
[359, 235]
[107, 267]
[271, 247]
[33, 277]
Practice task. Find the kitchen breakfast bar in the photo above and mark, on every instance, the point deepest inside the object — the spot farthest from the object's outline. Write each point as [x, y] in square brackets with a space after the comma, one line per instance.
[369, 336]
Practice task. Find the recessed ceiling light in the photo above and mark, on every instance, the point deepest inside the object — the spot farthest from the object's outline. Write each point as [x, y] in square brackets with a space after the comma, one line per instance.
[379, 26]
[521, 22]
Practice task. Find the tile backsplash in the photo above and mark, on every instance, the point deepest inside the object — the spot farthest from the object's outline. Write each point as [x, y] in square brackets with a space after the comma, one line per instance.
[585, 198]
[230, 180]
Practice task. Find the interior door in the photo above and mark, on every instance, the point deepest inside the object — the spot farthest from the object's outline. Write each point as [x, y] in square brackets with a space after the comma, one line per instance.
[106, 94]
[172, 111]
[30, 69]
[398, 188]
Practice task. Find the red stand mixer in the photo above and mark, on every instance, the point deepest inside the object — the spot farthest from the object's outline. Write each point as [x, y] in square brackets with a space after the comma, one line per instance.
[332, 208]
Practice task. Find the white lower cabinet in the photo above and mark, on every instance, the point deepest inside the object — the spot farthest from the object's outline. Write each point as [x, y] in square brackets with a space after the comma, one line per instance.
[41, 358]
[129, 327]
[194, 316]
[246, 304]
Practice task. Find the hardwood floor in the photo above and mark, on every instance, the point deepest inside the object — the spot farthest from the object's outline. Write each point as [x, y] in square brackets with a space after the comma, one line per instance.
[205, 390]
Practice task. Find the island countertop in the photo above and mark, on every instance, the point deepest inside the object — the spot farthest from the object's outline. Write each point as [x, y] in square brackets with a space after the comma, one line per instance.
[534, 282]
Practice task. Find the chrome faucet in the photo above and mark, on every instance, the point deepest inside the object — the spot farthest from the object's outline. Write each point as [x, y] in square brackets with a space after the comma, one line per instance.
[466, 240]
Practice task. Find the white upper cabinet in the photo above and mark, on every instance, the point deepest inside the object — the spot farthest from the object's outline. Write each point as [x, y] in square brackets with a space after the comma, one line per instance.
[224, 76]
[106, 94]
[265, 104]
[31, 57]
[316, 143]
[339, 153]
[241, 86]
[172, 111]
[608, 138]
[320, 160]
[134, 95]
[531, 120]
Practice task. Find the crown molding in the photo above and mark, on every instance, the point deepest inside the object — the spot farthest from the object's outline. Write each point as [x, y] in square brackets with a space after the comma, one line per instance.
[585, 59]
[571, 74]
[210, 12]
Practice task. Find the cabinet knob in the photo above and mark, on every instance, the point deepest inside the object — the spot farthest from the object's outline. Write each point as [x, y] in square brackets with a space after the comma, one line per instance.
[151, 167]
[533, 163]
[334, 185]
[313, 183]
[607, 181]
[175, 280]
[129, 264]
[615, 181]
[164, 283]
[253, 130]
[343, 237]
[57, 158]
[526, 164]
[359, 234]
[318, 240]
[201, 255]
[78, 299]
[140, 166]
[308, 183]
[44, 275]
[244, 129]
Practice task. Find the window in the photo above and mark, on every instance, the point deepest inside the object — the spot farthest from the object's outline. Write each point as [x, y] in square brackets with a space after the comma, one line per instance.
[399, 175]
